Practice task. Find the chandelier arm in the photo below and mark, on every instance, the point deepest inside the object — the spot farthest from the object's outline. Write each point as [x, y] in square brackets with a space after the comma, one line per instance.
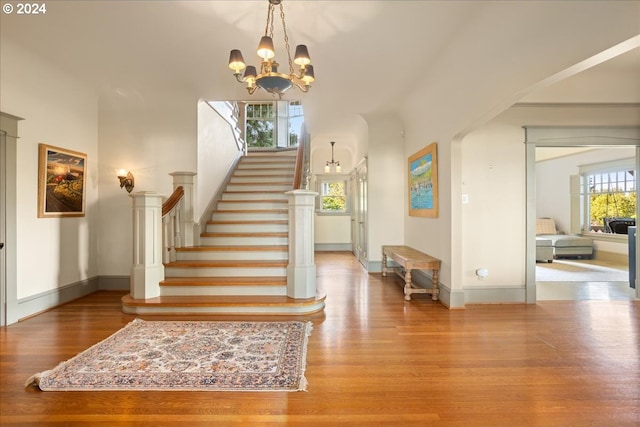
[302, 86]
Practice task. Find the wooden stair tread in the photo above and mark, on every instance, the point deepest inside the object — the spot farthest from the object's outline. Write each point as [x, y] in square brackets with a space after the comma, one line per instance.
[255, 211]
[244, 193]
[220, 301]
[235, 248]
[255, 201]
[251, 221]
[224, 281]
[259, 184]
[282, 175]
[246, 234]
[227, 263]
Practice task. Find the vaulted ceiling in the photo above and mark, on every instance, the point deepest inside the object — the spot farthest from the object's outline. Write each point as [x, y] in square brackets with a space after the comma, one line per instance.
[369, 56]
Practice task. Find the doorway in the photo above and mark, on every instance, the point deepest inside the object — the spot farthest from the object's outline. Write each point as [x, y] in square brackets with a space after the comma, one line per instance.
[552, 136]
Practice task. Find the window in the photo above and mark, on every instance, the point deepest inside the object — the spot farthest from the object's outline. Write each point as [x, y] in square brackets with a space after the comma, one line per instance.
[260, 124]
[610, 196]
[332, 195]
[273, 124]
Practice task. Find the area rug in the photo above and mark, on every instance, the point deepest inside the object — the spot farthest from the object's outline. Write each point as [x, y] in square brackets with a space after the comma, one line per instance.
[579, 271]
[197, 356]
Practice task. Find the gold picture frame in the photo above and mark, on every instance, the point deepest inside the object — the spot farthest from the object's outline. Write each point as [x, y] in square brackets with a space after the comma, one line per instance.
[61, 182]
[423, 182]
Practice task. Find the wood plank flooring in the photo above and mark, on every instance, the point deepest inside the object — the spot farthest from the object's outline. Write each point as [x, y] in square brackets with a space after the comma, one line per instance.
[373, 359]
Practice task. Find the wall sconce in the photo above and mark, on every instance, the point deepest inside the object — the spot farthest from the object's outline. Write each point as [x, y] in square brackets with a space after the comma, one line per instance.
[126, 179]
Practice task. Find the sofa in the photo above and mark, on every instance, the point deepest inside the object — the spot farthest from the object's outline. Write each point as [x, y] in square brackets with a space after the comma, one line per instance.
[562, 245]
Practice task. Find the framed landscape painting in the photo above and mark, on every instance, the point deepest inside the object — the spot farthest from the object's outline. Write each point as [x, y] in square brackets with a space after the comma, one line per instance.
[423, 183]
[61, 182]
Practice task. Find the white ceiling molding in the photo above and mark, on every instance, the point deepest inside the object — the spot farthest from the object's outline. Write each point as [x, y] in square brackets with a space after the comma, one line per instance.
[553, 136]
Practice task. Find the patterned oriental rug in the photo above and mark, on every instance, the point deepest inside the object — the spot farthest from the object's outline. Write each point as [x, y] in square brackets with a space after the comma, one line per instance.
[197, 356]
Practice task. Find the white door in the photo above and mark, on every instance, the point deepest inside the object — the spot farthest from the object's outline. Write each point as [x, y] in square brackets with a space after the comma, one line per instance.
[361, 215]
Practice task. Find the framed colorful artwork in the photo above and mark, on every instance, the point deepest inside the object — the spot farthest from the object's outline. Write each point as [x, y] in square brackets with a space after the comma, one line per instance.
[61, 182]
[423, 183]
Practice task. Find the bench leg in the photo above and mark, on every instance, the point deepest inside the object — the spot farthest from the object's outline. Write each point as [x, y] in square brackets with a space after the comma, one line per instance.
[434, 294]
[407, 285]
[384, 264]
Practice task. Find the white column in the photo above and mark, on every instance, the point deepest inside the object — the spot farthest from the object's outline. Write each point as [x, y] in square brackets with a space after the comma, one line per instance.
[187, 222]
[301, 271]
[147, 270]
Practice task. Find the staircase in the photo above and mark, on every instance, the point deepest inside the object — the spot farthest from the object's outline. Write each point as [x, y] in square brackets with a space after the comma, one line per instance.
[240, 266]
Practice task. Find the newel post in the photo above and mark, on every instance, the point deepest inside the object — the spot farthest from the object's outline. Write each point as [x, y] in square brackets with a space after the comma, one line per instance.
[147, 270]
[187, 222]
[301, 271]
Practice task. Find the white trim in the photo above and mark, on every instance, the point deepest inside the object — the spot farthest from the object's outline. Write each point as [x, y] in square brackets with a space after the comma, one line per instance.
[610, 166]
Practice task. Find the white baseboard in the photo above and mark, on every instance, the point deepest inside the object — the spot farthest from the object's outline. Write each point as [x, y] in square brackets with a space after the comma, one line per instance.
[35, 304]
[332, 247]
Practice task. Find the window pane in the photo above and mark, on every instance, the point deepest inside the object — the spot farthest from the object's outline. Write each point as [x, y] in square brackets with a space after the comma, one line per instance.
[611, 195]
[334, 203]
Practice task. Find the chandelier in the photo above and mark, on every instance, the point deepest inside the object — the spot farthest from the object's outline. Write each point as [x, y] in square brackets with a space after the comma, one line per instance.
[269, 79]
[333, 163]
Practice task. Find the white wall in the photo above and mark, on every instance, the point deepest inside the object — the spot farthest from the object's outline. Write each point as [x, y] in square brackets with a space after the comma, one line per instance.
[387, 180]
[493, 220]
[59, 111]
[143, 132]
[217, 151]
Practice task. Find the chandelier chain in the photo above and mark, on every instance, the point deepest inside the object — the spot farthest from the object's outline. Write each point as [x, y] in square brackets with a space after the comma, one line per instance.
[269, 21]
[286, 39]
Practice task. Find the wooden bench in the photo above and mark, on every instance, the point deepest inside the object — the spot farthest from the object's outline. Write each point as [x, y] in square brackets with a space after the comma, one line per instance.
[409, 259]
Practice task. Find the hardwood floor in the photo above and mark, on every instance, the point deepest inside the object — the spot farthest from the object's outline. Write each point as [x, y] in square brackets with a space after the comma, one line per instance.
[373, 359]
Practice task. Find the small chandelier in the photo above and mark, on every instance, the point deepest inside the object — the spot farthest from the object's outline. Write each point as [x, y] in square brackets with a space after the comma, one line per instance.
[269, 78]
[332, 163]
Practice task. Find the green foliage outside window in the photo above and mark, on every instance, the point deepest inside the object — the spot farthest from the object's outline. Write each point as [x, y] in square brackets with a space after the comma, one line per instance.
[612, 205]
[334, 196]
[259, 126]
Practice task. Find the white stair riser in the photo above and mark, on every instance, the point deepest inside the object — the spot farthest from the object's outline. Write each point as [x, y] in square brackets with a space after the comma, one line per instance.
[243, 241]
[225, 271]
[287, 166]
[259, 187]
[247, 228]
[223, 290]
[227, 205]
[256, 171]
[244, 179]
[248, 216]
[246, 194]
[232, 255]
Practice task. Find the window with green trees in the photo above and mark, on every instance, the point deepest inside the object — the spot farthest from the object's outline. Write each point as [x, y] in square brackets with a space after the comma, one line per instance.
[273, 123]
[611, 194]
[332, 195]
[260, 124]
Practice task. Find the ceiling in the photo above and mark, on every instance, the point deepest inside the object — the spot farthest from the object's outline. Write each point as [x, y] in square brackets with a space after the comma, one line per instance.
[369, 56]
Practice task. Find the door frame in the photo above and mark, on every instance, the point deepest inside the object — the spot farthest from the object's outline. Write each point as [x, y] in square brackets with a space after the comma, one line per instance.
[8, 169]
[568, 136]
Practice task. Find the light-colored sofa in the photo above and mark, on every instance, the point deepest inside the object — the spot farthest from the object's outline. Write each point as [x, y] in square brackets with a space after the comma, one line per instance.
[563, 245]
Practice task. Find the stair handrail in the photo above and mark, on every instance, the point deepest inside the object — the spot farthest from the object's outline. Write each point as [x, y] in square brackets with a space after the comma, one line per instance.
[301, 174]
[171, 213]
